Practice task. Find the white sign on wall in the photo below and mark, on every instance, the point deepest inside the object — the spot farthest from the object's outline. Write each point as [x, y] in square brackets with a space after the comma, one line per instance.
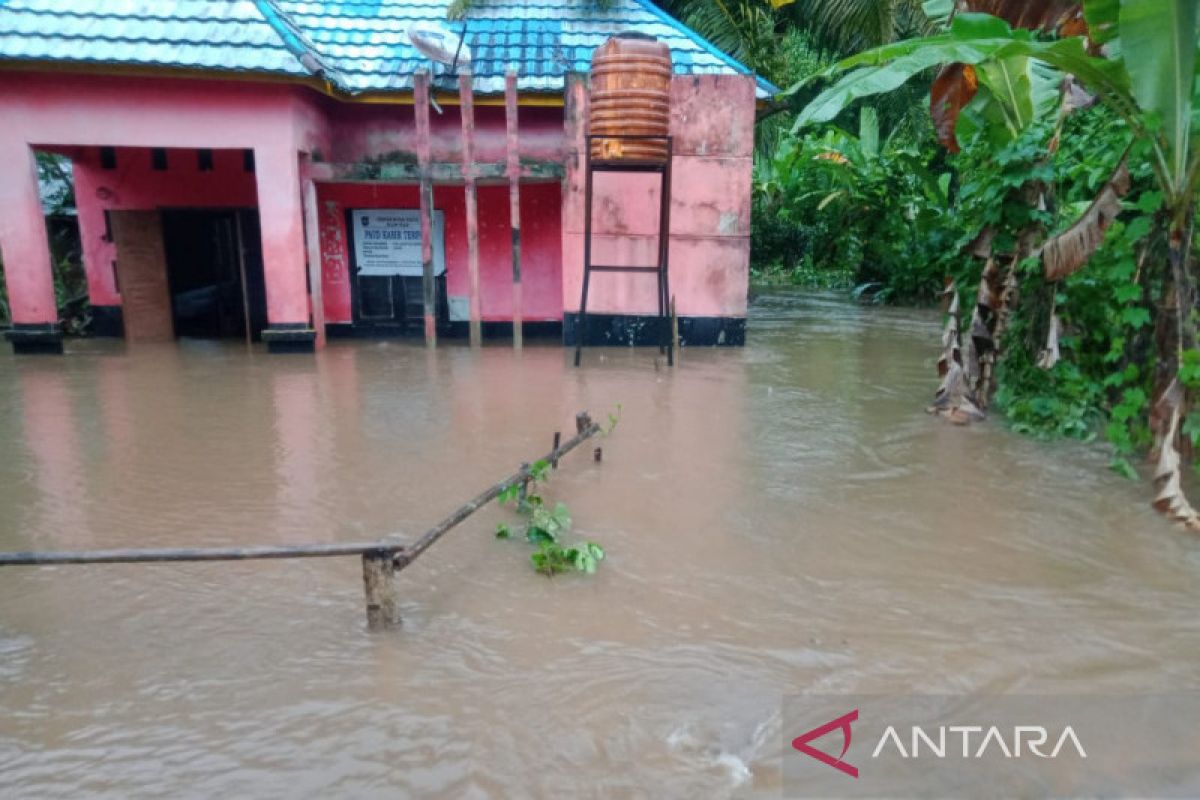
[387, 241]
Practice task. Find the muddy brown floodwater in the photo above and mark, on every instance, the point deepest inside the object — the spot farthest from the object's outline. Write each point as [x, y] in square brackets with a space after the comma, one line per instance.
[779, 519]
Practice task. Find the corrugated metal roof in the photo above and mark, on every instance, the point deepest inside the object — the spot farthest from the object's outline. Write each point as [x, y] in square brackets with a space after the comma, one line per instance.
[196, 34]
[360, 45]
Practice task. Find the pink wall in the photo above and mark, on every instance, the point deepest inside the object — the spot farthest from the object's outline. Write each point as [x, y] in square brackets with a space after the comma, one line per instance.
[134, 185]
[541, 254]
[712, 122]
[277, 121]
[23, 244]
[373, 130]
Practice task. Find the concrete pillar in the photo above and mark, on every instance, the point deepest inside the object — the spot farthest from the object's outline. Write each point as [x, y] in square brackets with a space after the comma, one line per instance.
[281, 217]
[26, 254]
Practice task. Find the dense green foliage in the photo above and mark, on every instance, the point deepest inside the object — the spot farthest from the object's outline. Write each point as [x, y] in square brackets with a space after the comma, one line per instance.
[1105, 310]
[544, 526]
[861, 193]
[856, 207]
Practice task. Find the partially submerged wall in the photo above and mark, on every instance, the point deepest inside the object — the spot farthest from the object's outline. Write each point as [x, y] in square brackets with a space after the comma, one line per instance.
[352, 147]
[712, 125]
[541, 273]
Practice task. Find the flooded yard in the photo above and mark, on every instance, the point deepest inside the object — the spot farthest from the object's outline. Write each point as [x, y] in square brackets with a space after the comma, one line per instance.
[779, 519]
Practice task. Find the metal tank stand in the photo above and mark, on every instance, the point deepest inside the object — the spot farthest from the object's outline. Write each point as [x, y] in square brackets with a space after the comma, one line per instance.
[663, 168]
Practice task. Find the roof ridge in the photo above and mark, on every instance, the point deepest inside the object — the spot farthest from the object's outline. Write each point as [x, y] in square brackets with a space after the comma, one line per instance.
[70, 12]
[138, 39]
[294, 39]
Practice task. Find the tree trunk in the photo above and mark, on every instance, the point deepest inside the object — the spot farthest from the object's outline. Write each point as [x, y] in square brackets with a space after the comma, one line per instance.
[1175, 333]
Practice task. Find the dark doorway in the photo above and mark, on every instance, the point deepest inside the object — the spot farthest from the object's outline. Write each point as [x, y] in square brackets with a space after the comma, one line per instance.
[208, 252]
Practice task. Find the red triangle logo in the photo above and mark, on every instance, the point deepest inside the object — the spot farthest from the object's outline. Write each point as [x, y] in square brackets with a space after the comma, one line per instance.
[842, 723]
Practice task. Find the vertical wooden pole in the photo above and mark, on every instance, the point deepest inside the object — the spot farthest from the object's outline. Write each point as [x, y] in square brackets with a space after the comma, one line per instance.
[674, 328]
[379, 583]
[523, 491]
[428, 281]
[312, 244]
[574, 192]
[241, 253]
[467, 109]
[514, 200]
[664, 249]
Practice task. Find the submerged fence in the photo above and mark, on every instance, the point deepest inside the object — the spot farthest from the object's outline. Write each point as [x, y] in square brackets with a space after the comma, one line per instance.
[381, 559]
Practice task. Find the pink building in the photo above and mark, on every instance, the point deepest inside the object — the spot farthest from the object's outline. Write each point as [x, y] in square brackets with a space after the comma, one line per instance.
[255, 163]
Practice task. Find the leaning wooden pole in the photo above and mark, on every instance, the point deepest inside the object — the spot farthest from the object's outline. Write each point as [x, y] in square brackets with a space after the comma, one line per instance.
[514, 201]
[585, 429]
[467, 111]
[425, 176]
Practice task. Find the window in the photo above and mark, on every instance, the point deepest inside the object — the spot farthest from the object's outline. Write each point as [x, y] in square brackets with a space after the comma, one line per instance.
[204, 160]
[248, 160]
[108, 157]
[158, 158]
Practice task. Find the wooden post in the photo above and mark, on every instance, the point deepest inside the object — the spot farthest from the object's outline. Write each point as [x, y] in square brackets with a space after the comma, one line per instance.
[241, 248]
[575, 100]
[674, 327]
[467, 110]
[514, 200]
[312, 245]
[379, 582]
[428, 281]
[557, 441]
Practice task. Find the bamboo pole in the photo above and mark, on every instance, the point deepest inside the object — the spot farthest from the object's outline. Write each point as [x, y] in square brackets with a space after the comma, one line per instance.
[428, 281]
[467, 110]
[151, 555]
[514, 200]
[585, 429]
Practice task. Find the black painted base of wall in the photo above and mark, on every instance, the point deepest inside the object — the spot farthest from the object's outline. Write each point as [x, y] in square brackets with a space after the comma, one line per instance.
[348, 330]
[294, 337]
[603, 330]
[613, 330]
[453, 330]
[503, 330]
[35, 338]
[107, 321]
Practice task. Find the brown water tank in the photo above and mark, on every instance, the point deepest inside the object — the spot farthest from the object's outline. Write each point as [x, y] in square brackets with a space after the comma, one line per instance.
[630, 95]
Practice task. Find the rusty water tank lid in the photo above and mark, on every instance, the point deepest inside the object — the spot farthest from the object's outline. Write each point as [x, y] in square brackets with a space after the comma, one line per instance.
[645, 37]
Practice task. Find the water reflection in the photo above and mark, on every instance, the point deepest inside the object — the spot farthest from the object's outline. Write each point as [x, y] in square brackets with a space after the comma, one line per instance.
[55, 461]
[301, 436]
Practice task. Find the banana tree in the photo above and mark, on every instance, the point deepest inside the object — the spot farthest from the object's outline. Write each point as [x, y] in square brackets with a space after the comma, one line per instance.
[1141, 61]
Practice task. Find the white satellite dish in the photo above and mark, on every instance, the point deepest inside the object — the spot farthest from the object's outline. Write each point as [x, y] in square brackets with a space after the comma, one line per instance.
[440, 44]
